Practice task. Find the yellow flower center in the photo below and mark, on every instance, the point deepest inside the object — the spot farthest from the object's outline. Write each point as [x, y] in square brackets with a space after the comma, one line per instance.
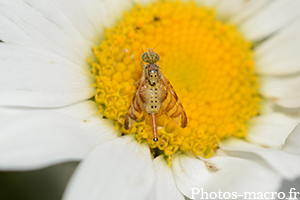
[208, 62]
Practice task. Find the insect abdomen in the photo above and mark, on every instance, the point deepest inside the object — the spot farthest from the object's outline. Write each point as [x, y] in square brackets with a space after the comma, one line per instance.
[153, 100]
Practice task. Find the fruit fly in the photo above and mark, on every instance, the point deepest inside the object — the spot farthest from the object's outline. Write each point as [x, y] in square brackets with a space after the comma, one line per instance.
[154, 92]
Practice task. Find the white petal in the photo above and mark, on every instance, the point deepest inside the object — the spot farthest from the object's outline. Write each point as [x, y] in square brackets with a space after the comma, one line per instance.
[34, 77]
[107, 18]
[37, 138]
[232, 175]
[225, 8]
[270, 130]
[236, 10]
[269, 107]
[286, 164]
[237, 154]
[273, 17]
[165, 184]
[119, 169]
[117, 7]
[42, 25]
[84, 15]
[292, 143]
[82, 110]
[248, 8]
[279, 55]
[207, 3]
[285, 91]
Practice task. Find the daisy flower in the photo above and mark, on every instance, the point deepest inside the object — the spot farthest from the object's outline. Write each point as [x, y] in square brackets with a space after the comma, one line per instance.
[66, 82]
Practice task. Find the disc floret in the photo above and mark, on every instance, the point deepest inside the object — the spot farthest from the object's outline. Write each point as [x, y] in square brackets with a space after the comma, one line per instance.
[208, 62]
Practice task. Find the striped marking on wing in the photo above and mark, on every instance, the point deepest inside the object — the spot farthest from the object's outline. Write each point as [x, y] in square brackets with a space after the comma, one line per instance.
[171, 104]
[136, 107]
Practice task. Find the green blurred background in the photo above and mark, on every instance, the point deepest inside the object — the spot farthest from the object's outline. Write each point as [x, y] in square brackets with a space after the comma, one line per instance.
[45, 184]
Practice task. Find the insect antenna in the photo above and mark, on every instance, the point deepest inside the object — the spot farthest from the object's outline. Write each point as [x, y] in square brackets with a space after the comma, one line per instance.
[155, 46]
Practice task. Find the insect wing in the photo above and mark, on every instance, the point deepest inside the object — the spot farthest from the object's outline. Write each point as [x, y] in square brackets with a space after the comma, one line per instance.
[136, 107]
[171, 104]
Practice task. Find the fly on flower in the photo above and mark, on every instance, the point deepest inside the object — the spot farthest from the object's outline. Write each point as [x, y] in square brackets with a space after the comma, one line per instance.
[153, 92]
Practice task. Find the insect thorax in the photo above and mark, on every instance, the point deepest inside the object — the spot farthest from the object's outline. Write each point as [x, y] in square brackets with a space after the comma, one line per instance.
[152, 74]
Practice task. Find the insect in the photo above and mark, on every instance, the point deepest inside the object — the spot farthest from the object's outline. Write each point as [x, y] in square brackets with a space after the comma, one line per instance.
[154, 92]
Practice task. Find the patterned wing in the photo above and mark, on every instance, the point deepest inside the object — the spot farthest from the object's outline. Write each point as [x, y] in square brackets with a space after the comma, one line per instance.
[171, 104]
[137, 105]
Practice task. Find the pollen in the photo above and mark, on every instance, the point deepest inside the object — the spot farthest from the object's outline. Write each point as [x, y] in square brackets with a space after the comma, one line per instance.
[208, 62]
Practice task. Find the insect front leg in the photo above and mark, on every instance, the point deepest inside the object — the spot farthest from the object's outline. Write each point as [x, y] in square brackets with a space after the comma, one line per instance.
[142, 64]
[137, 82]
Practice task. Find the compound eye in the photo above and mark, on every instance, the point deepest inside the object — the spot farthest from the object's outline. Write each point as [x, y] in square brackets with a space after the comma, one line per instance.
[157, 57]
[145, 57]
